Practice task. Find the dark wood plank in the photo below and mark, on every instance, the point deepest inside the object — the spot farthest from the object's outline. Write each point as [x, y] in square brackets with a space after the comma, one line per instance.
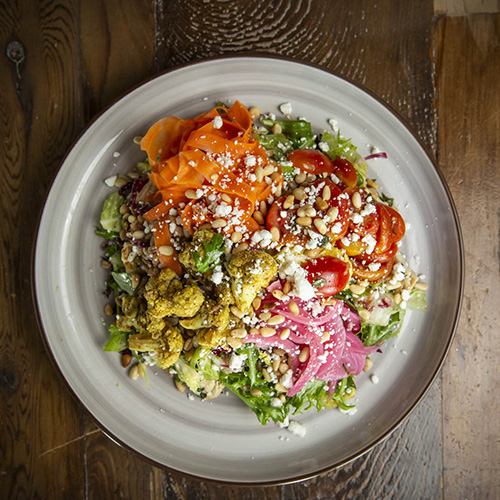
[387, 48]
[469, 151]
[117, 46]
[41, 433]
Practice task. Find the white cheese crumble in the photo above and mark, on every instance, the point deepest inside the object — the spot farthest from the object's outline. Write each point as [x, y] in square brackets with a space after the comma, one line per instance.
[250, 161]
[236, 362]
[110, 181]
[297, 428]
[286, 108]
[374, 379]
[217, 275]
[217, 122]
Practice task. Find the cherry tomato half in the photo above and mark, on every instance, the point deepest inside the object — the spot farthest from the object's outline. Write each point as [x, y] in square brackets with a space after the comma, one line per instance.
[345, 172]
[362, 272]
[329, 274]
[311, 161]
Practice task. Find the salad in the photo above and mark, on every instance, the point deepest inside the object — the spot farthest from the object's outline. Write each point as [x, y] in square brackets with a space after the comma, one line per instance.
[250, 254]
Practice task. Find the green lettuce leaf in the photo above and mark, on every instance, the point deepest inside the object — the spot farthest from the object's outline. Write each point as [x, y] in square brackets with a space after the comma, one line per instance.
[111, 218]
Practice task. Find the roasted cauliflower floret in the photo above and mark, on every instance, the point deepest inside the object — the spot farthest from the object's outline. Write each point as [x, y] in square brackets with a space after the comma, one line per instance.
[250, 270]
[210, 314]
[186, 257]
[216, 337]
[132, 310]
[165, 348]
[167, 296]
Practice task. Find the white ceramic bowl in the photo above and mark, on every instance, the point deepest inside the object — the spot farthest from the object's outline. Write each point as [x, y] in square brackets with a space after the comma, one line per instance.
[222, 440]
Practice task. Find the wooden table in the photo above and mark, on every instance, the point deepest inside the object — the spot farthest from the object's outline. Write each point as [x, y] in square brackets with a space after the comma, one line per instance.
[437, 65]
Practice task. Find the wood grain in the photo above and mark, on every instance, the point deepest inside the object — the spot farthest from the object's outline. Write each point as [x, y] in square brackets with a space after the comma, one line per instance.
[64, 61]
[469, 155]
[465, 7]
[40, 117]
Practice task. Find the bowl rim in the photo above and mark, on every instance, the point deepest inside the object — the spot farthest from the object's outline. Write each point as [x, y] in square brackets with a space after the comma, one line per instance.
[461, 271]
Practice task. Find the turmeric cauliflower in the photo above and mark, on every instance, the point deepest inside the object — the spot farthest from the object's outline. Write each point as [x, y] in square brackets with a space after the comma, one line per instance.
[167, 296]
[250, 270]
[165, 348]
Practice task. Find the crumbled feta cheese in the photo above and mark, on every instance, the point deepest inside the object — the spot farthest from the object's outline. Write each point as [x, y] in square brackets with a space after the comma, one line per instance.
[324, 147]
[297, 428]
[236, 362]
[116, 154]
[286, 108]
[217, 275]
[110, 181]
[217, 122]
[250, 160]
[374, 379]
[333, 123]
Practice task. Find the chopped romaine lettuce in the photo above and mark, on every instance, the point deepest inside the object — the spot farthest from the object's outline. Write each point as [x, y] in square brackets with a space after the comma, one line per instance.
[118, 340]
[111, 219]
[372, 334]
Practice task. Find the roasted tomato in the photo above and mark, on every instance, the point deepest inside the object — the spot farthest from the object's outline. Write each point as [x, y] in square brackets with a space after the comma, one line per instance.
[315, 162]
[328, 274]
[311, 161]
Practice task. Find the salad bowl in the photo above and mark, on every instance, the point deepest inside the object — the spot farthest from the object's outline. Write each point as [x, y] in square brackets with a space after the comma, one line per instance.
[220, 439]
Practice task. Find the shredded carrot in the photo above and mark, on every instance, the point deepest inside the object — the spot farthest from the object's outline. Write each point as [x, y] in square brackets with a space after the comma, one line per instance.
[219, 162]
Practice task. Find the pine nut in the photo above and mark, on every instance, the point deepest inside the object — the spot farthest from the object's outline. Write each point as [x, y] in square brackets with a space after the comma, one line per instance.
[225, 197]
[276, 320]
[300, 178]
[134, 372]
[137, 139]
[278, 294]
[190, 194]
[333, 213]
[135, 280]
[264, 316]
[263, 208]
[181, 386]
[259, 217]
[294, 308]
[275, 232]
[287, 288]
[320, 226]
[254, 112]
[166, 250]
[240, 248]
[310, 211]
[256, 303]
[276, 364]
[299, 194]
[371, 183]
[108, 310]
[313, 252]
[368, 364]
[398, 298]
[304, 354]
[277, 128]
[218, 223]
[304, 221]
[131, 218]
[283, 368]
[214, 177]
[259, 174]
[364, 314]
[301, 212]
[239, 333]
[234, 343]
[280, 388]
[327, 193]
[326, 337]
[420, 285]
[356, 200]
[357, 289]
[138, 235]
[256, 393]
[267, 376]
[237, 311]
[268, 169]
[321, 203]
[124, 209]
[236, 236]
[105, 264]
[188, 344]
[288, 202]
[267, 331]
[284, 334]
